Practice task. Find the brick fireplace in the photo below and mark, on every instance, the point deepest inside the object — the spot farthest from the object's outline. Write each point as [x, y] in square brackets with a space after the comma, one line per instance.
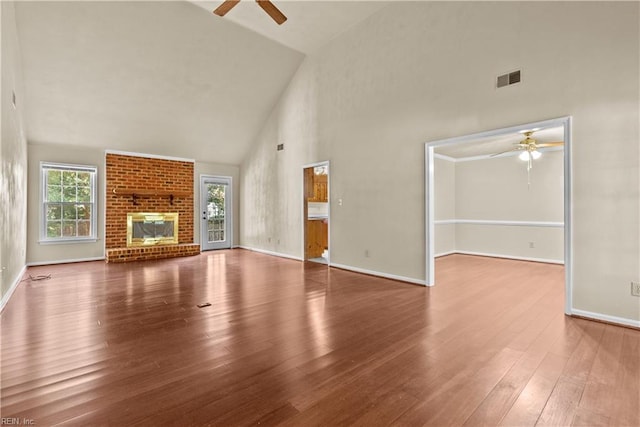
[138, 185]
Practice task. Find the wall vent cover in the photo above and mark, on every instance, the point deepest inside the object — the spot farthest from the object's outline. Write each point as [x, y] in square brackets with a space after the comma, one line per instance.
[508, 79]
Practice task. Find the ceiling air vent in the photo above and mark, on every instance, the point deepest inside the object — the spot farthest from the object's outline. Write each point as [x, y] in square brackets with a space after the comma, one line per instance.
[508, 79]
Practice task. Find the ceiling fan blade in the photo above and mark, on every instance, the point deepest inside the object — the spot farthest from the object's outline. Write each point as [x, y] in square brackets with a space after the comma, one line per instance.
[507, 151]
[550, 144]
[272, 11]
[225, 7]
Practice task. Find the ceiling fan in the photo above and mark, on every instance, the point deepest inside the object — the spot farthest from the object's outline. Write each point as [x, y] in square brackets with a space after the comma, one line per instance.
[266, 5]
[529, 148]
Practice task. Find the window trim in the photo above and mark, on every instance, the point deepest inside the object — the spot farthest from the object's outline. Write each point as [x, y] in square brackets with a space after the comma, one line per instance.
[94, 202]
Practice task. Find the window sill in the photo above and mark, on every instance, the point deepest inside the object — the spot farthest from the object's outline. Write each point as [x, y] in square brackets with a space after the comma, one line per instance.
[67, 241]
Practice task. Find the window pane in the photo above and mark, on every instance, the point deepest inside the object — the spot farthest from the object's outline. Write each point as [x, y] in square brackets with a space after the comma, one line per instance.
[54, 193]
[84, 194]
[69, 212]
[84, 179]
[54, 212]
[54, 229]
[84, 228]
[69, 194]
[84, 211]
[68, 228]
[54, 177]
[69, 178]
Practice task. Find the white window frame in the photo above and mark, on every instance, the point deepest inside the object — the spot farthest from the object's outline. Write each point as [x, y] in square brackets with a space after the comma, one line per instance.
[43, 203]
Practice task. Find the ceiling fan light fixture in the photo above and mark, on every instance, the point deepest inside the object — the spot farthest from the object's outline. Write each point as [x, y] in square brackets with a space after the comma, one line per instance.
[534, 154]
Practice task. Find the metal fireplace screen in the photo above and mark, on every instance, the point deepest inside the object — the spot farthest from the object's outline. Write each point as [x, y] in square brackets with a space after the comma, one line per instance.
[147, 229]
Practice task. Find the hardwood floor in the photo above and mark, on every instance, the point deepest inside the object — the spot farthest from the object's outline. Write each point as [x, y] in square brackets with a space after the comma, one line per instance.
[293, 344]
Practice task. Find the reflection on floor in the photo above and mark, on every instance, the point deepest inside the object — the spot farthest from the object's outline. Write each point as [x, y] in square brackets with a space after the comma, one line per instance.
[285, 342]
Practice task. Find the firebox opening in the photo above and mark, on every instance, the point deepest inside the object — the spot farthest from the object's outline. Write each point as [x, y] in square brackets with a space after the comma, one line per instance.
[148, 229]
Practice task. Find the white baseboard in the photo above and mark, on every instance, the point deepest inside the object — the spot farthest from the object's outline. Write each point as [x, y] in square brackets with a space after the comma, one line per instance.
[379, 274]
[341, 266]
[518, 258]
[263, 251]
[64, 261]
[12, 288]
[606, 318]
[445, 254]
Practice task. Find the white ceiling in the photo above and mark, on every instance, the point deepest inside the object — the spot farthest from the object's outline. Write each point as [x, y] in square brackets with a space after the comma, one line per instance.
[165, 77]
[310, 24]
[498, 144]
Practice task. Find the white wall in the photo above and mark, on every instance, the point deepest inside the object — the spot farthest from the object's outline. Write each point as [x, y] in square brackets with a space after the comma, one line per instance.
[423, 71]
[271, 181]
[13, 159]
[496, 189]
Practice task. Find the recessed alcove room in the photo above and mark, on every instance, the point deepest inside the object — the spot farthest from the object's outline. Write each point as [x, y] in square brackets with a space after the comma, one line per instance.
[320, 213]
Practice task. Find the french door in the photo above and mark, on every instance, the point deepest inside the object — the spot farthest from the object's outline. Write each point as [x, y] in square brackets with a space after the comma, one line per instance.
[215, 212]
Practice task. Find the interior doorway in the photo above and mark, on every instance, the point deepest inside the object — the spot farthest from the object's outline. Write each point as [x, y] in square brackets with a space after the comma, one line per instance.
[215, 209]
[316, 212]
[430, 209]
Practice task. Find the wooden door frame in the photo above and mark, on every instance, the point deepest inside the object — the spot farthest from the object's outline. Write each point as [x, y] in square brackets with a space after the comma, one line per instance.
[326, 163]
[568, 225]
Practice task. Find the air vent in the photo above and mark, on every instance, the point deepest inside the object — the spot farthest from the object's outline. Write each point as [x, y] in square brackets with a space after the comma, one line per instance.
[280, 147]
[508, 79]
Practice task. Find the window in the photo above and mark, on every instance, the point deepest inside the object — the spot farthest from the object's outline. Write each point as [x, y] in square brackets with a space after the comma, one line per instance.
[68, 202]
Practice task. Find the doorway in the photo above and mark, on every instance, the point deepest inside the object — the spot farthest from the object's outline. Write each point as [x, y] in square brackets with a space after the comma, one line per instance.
[316, 212]
[216, 215]
[565, 124]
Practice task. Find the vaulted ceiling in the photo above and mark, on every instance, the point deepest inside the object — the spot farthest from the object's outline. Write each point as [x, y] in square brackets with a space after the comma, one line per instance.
[165, 77]
[310, 23]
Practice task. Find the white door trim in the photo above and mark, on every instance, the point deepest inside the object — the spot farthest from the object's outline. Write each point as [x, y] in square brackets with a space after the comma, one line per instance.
[228, 208]
[568, 217]
[326, 163]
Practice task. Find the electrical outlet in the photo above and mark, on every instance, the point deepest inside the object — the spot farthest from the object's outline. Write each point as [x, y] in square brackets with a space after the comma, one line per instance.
[635, 289]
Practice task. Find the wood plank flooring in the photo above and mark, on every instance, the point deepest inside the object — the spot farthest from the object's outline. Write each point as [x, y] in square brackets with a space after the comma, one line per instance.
[295, 344]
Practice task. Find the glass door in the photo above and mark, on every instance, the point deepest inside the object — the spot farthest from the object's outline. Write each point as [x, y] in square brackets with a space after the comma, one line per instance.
[215, 225]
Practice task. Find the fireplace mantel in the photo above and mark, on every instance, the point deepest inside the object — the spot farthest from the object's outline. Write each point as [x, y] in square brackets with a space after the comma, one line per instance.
[136, 193]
